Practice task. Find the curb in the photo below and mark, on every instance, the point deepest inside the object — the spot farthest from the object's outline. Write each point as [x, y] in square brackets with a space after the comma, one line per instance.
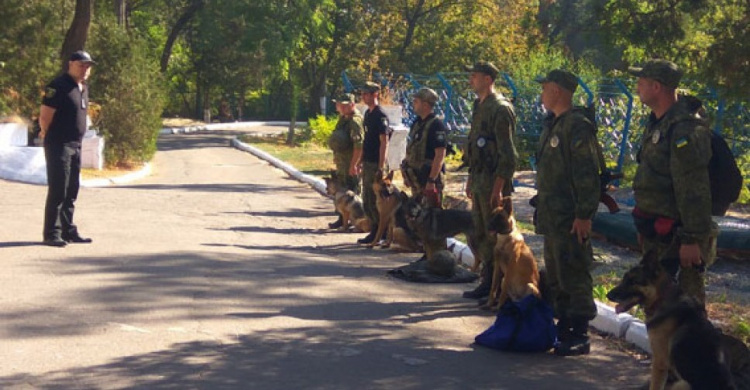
[607, 321]
[118, 180]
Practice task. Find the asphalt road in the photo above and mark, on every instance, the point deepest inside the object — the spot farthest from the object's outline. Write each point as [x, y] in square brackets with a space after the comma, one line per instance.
[216, 272]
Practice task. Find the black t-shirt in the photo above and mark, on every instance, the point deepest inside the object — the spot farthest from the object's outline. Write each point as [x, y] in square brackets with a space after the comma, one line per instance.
[375, 123]
[70, 104]
[436, 135]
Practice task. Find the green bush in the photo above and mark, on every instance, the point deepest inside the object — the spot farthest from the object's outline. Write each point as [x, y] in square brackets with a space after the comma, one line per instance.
[320, 129]
[128, 86]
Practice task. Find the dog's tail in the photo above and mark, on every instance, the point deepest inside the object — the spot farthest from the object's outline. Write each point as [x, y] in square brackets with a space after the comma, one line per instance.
[544, 289]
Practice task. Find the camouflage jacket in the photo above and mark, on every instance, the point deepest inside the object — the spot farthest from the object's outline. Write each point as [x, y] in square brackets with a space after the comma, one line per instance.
[567, 172]
[672, 175]
[490, 151]
[347, 135]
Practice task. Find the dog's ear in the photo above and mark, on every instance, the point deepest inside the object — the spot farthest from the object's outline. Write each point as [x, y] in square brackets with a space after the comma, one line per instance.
[650, 263]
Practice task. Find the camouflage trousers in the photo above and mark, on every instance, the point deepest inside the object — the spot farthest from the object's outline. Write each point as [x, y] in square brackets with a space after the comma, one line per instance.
[481, 211]
[569, 279]
[369, 172]
[347, 181]
[691, 280]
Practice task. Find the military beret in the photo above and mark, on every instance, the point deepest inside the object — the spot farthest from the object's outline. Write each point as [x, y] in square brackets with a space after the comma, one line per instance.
[426, 95]
[663, 71]
[485, 67]
[560, 77]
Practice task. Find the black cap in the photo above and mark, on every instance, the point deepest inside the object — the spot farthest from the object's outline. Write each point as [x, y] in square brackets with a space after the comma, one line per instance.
[82, 56]
[485, 67]
[561, 77]
[663, 71]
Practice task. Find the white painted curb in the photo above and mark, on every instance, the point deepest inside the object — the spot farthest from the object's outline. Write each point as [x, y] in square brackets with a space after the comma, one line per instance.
[610, 322]
[638, 335]
[224, 126]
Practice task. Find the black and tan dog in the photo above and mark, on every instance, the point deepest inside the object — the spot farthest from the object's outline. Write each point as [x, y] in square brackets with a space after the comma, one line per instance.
[682, 338]
[349, 205]
[387, 200]
[433, 225]
[515, 273]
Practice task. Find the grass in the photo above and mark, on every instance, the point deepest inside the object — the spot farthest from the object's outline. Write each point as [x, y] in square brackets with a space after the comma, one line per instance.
[308, 158]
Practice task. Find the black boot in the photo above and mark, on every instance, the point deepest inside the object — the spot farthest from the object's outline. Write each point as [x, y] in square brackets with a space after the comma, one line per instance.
[578, 341]
[339, 222]
[370, 236]
[564, 330]
[483, 290]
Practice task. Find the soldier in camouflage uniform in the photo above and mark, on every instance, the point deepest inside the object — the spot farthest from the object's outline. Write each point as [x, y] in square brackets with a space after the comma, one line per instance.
[491, 157]
[346, 143]
[672, 190]
[568, 195]
[423, 167]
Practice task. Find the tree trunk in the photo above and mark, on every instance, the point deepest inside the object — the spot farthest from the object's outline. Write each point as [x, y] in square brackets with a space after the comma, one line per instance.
[190, 11]
[75, 38]
[121, 12]
[294, 105]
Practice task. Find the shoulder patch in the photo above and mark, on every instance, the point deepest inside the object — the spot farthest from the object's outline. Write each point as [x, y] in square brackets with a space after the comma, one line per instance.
[385, 121]
[49, 92]
[681, 142]
[440, 136]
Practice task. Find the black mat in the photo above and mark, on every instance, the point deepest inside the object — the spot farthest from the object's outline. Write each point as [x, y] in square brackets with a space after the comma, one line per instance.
[417, 272]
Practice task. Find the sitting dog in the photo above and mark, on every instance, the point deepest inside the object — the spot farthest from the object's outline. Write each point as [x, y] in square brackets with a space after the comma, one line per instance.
[349, 205]
[387, 200]
[433, 225]
[682, 338]
[515, 273]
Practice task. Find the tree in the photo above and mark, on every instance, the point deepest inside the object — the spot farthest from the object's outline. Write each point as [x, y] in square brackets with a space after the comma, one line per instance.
[75, 38]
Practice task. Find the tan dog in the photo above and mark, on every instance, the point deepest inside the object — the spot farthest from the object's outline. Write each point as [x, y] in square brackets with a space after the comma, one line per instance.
[515, 275]
[388, 200]
[349, 205]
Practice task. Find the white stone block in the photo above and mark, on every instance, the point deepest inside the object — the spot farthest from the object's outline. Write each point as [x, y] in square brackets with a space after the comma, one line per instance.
[397, 147]
[92, 153]
[638, 335]
[461, 251]
[395, 114]
[610, 322]
[14, 134]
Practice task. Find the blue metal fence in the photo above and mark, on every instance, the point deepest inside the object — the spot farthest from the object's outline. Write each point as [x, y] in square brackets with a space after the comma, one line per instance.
[619, 115]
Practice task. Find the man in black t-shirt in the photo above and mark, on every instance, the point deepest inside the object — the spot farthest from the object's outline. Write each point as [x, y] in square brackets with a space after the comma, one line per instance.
[62, 119]
[374, 151]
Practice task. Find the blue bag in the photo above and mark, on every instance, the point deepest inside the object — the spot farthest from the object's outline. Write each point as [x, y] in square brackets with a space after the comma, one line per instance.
[523, 326]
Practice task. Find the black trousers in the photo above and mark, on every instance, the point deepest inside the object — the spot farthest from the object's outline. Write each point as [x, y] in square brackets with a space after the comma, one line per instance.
[63, 181]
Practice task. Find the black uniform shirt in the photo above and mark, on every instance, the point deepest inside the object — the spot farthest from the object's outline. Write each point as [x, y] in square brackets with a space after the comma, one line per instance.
[436, 135]
[69, 122]
[375, 123]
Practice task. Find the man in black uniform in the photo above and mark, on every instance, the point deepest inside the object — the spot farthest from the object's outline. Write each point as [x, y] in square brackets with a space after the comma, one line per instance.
[62, 119]
[374, 150]
[425, 153]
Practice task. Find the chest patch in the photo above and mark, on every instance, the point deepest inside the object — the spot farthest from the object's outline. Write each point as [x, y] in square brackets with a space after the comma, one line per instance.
[656, 137]
[554, 141]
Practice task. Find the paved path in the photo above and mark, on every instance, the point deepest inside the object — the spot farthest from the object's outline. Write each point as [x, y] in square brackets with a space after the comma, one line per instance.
[215, 273]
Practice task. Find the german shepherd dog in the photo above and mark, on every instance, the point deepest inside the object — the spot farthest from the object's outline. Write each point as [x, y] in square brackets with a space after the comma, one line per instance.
[433, 225]
[682, 338]
[515, 273]
[349, 205]
[387, 200]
